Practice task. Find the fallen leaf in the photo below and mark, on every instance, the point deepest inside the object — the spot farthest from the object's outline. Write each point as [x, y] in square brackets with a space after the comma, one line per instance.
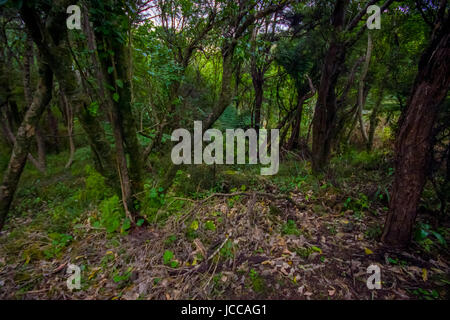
[424, 274]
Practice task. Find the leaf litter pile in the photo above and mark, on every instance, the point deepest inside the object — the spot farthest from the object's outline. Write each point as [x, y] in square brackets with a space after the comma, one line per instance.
[242, 245]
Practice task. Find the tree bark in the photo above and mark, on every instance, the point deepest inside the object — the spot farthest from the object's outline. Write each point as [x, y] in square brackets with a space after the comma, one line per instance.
[11, 139]
[294, 140]
[258, 86]
[69, 123]
[24, 137]
[361, 88]
[414, 139]
[325, 113]
[40, 148]
[49, 41]
[53, 127]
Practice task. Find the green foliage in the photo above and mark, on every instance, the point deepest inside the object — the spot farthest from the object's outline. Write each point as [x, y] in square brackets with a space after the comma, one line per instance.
[296, 58]
[152, 202]
[426, 294]
[168, 259]
[191, 231]
[305, 252]
[365, 160]
[59, 242]
[123, 277]
[258, 283]
[176, 74]
[231, 119]
[290, 228]
[227, 250]
[170, 240]
[295, 175]
[96, 188]
[209, 225]
[112, 215]
[423, 233]
[357, 205]
[93, 108]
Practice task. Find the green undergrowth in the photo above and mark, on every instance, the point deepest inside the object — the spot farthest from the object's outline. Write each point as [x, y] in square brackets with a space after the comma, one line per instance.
[61, 202]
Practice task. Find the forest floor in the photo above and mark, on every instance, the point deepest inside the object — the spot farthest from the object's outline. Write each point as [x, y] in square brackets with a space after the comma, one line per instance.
[247, 243]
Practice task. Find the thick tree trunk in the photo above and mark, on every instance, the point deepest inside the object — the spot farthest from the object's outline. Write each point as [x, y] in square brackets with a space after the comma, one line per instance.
[24, 137]
[122, 120]
[132, 146]
[325, 115]
[414, 140]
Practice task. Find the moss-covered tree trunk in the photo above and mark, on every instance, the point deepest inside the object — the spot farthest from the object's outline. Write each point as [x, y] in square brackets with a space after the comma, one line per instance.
[23, 139]
[49, 39]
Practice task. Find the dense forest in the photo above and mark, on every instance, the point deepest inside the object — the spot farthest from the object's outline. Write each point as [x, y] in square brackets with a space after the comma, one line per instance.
[347, 99]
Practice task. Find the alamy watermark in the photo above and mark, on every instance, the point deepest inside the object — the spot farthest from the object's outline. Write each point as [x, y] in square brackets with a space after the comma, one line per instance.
[213, 153]
[74, 281]
[74, 20]
[374, 20]
[374, 280]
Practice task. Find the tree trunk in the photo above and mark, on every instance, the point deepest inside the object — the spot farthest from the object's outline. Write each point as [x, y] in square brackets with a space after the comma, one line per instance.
[11, 139]
[132, 146]
[295, 134]
[361, 88]
[294, 140]
[69, 123]
[414, 139]
[326, 108]
[374, 118]
[225, 92]
[53, 127]
[24, 137]
[40, 147]
[122, 120]
[49, 41]
[258, 86]
[28, 61]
